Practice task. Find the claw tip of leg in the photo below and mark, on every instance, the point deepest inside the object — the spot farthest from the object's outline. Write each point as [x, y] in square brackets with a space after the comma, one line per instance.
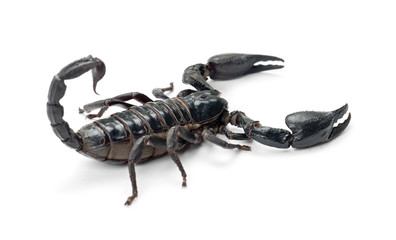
[245, 148]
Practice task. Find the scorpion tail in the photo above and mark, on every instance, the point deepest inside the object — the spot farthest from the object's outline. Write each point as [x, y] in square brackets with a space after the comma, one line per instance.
[57, 91]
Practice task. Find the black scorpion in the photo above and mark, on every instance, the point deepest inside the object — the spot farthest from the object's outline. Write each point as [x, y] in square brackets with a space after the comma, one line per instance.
[168, 125]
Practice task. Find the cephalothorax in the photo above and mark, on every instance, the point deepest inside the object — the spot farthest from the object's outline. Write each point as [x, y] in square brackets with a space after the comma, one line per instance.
[169, 124]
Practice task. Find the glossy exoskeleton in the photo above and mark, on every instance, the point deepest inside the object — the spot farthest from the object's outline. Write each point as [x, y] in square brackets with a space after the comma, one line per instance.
[169, 124]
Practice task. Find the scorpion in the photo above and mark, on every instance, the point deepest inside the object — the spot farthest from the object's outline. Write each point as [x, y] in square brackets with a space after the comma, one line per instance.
[168, 125]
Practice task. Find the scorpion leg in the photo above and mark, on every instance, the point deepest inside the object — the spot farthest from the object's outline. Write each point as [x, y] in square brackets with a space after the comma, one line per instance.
[159, 92]
[174, 134]
[209, 135]
[103, 105]
[177, 132]
[234, 136]
[119, 101]
[179, 165]
[308, 128]
[136, 155]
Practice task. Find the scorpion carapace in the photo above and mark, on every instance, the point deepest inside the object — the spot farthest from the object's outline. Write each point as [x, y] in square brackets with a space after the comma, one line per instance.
[167, 125]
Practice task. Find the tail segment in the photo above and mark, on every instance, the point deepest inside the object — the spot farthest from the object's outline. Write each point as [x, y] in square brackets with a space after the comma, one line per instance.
[57, 91]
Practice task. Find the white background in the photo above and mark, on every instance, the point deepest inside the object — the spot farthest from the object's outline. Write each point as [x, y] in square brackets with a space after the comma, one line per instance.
[335, 52]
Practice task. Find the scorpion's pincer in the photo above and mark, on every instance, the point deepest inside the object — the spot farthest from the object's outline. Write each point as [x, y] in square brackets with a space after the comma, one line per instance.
[233, 65]
[311, 128]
